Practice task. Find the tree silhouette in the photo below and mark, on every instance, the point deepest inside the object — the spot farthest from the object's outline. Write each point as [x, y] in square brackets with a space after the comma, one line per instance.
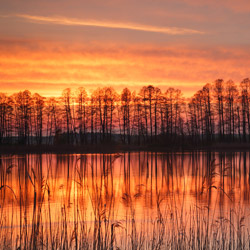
[66, 102]
[38, 106]
[22, 109]
[245, 85]
[126, 98]
[218, 112]
[231, 102]
[81, 99]
[219, 97]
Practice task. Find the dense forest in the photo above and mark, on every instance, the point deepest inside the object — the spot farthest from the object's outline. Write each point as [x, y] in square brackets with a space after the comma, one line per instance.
[219, 112]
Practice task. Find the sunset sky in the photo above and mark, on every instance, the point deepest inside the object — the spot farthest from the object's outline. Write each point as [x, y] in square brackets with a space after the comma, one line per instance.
[46, 46]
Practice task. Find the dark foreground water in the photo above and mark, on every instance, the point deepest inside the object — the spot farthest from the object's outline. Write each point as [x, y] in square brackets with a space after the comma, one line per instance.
[126, 201]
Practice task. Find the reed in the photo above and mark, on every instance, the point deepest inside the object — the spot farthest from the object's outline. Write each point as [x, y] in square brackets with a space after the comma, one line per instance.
[94, 209]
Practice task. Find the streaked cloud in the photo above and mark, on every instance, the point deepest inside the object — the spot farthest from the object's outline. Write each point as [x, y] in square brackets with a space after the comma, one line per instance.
[182, 43]
[107, 24]
[49, 67]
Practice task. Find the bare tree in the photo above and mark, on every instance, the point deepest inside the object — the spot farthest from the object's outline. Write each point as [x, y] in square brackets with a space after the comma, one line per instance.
[23, 104]
[81, 98]
[231, 97]
[245, 85]
[66, 102]
[219, 96]
[38, 106]
[125, 109]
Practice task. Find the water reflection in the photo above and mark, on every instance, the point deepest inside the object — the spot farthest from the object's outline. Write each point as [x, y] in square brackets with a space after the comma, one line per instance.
[37, 191]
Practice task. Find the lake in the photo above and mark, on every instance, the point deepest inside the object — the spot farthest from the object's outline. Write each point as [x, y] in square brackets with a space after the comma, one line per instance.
[136, 200]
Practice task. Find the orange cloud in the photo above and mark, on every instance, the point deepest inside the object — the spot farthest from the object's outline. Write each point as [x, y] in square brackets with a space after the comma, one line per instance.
[49, 67]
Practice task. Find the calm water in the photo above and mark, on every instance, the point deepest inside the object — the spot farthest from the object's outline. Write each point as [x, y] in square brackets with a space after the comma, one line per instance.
[138, 197]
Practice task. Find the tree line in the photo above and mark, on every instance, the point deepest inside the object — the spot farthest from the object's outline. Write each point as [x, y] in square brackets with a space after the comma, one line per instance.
[219, 112]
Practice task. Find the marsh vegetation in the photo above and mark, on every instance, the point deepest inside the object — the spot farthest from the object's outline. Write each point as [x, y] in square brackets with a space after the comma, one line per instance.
[125, 201]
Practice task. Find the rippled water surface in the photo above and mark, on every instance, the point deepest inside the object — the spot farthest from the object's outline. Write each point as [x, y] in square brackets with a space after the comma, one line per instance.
[132, 200]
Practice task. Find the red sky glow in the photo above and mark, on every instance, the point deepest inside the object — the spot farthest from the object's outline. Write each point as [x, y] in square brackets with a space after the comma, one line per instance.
[46, 46]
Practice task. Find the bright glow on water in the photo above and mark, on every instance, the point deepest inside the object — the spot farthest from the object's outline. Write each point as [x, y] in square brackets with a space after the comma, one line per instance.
[125, 199]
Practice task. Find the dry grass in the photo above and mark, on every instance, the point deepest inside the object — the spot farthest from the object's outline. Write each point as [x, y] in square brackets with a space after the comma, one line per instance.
[29, 217]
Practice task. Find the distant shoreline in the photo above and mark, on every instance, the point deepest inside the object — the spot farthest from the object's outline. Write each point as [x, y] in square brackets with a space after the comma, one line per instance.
[109, 149]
